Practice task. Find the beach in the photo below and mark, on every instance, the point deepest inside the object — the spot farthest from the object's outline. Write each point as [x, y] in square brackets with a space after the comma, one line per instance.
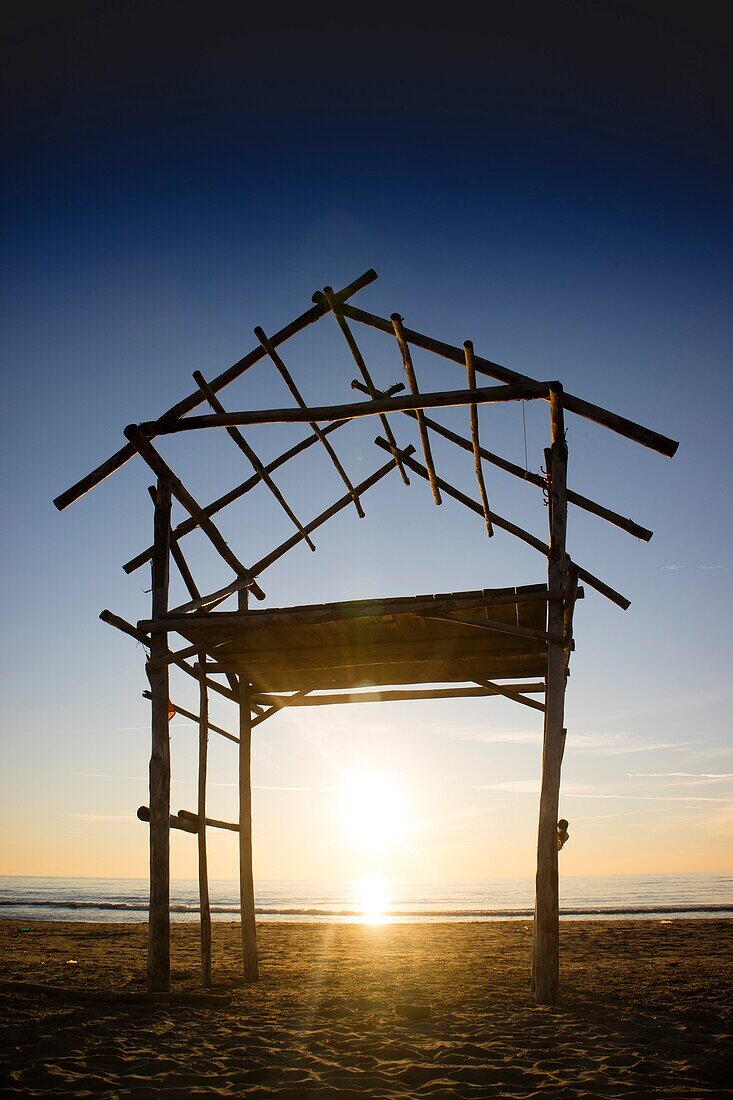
[383, 1010]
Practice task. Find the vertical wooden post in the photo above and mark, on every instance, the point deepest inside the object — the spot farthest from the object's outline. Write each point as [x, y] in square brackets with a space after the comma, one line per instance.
[546, 962]
[246, 880]
[201, 811]
[159, 963]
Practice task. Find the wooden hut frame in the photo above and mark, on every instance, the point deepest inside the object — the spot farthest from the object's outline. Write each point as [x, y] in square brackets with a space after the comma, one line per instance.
[512, 643]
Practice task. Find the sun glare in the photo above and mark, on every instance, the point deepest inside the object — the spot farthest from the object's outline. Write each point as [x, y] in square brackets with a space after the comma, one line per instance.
[373, 810]
[372, 897]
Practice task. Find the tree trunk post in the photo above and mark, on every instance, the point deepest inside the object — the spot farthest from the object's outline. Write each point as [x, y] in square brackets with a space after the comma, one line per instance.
[159, 964]
[246, 880]
[546, 961]
[204, 907]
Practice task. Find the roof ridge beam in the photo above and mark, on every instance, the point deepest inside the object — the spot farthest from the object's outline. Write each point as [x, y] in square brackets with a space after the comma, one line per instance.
[646, 437]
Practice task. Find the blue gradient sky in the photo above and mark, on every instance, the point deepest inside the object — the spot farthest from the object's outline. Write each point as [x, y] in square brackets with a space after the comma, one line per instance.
[554, 185]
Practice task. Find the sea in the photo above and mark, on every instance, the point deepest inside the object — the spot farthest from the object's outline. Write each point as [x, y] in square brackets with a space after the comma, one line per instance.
[373, 899]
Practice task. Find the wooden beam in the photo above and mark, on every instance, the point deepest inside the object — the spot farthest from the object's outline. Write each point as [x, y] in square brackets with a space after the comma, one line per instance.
[494, 625]
[189, 524]
[280, 703]
[490, 395]
[143, 813]
[140, 636]
[395, 695]
[506, 525]
[623, 522]
[197, 718]
[570, 600]
[204, 905]
[510, 693]
[210, 822]
[546, 962]
[414, 390]
[636, 432]
[250, 454]
[473, 421]
[159, 963]
[175, 656]
[375, 608]
[181, 408]
[364, 371]
[186, 574]
[347, 654]
[264, 563]
[290, 383]
[158, 465]
[115, 996]
[250, 965]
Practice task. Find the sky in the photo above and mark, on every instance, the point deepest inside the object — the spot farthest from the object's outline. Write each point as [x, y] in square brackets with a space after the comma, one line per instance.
[554, 185]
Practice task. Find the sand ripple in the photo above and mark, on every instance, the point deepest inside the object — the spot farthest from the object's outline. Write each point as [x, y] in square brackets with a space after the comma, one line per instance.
[646, 1013]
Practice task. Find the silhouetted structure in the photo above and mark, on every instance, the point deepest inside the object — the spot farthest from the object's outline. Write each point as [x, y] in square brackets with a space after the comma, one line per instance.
[515, 643]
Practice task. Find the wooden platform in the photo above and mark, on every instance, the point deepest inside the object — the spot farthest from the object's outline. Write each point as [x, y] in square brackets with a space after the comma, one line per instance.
[454, 637]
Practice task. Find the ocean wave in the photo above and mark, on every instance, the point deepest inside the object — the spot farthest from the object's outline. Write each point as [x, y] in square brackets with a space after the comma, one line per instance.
[140, 906]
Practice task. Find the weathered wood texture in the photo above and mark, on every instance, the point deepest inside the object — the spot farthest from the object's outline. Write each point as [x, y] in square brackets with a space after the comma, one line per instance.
[473, 423]
[397, 696]
[427, 604]
[204, 905]
[194, 820]
[546, 962]
[419, 415]
[421, 640]
[159, 967]
[250, 965]
[174, 822]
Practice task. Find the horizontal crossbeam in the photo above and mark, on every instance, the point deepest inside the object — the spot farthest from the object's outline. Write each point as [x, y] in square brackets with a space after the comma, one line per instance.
[389, 695]
[445, 399]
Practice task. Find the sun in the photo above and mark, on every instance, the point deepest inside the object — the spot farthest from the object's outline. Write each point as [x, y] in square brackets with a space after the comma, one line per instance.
[372, 897]
[373, 809]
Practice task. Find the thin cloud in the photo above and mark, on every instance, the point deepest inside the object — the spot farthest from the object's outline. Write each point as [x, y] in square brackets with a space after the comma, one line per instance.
[571, 790]
[263, 787]
[99, 729]
[101, 817]
[132, 778]
[259, 787]
[597, 744]
[680, 775]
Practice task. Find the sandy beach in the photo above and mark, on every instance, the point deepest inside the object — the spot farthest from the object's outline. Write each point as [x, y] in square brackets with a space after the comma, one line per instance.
[646, 1012]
